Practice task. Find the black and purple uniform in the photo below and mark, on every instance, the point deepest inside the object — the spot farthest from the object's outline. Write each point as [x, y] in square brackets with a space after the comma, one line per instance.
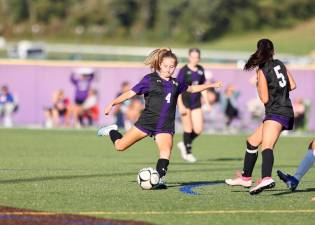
[82, 87]
[279, 107]
[189, 77]
[160, 97]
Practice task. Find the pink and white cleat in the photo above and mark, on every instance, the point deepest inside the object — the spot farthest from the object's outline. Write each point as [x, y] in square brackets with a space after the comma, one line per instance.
[240, 181]
[265, 183]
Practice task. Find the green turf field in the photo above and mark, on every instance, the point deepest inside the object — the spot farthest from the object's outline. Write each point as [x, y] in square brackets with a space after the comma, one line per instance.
[74, 171]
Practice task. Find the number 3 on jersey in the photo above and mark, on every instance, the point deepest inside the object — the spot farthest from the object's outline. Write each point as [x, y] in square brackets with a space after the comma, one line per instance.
[168, 97]
[280, 76]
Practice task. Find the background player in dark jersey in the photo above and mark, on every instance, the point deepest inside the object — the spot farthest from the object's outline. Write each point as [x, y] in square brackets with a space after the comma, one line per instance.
[160, 91]
[308, 161]
[190, 104]
[274, 82]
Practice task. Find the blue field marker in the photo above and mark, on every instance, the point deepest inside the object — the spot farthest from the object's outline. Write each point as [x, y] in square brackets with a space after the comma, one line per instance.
[188, 188]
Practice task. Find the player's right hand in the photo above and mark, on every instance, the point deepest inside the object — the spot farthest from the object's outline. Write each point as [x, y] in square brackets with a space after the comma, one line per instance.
[181, 108]
[182, 111]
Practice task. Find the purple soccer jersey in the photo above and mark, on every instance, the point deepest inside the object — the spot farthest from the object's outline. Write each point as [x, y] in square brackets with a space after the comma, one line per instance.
[143, 86]
[82, 86]
[189, 77]
[160, 103]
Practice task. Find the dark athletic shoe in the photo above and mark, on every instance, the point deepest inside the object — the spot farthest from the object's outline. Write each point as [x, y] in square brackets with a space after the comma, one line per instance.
[290, 181]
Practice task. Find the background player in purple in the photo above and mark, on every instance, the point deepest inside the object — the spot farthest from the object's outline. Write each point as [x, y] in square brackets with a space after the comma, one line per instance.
[274, 82]
[81, 79]
[189, 104]
[160, 91]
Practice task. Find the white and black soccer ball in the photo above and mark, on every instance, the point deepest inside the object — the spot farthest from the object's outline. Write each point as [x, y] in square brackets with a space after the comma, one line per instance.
[147, 178]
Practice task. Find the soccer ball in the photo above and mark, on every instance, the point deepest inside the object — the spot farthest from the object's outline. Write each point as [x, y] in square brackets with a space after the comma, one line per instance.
[147, 178]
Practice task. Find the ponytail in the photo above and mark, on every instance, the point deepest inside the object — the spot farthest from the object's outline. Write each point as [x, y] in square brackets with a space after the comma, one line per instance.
[264, 52]
[156, 56]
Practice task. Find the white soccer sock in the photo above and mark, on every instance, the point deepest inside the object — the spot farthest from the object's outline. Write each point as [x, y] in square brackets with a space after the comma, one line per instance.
[305, 165]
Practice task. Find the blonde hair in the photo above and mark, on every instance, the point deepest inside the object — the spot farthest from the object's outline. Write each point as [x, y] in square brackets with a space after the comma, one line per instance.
[156, 56]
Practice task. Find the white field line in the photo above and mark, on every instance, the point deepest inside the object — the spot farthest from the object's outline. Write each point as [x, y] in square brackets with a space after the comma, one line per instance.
[203, 212]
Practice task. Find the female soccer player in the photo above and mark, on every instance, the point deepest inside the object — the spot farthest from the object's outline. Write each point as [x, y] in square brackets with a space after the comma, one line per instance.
[308, 161]
[160, 91]
[274, 82]
[190, 103]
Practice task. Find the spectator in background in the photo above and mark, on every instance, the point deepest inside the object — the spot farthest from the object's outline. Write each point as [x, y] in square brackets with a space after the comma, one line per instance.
[60, 110]
[81, 79]
[213, 96]
[256, 109]
[213, 116]
[90, 109]
[133, 111]
[299, 113]
[8, 105]
[255, 106]
[120, 109]
[229, 104]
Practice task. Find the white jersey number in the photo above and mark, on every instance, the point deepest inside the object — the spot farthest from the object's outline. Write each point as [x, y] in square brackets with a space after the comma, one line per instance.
[168, 97]
[280, 76]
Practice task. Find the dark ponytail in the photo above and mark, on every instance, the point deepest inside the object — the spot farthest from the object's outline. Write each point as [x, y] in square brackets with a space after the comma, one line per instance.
[264, 52]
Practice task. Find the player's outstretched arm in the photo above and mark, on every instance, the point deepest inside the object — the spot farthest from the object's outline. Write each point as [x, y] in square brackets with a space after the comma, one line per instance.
[202, 87]
[121, 98]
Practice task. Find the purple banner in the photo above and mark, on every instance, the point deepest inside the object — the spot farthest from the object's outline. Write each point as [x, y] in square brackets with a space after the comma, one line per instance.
[34, 84]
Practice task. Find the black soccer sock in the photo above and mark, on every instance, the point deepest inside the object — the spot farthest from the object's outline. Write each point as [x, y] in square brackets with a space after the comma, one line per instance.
[187, 142]
[161, 167]
[114, 135]
[267, 162]
[193, 135]
[250, 159]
